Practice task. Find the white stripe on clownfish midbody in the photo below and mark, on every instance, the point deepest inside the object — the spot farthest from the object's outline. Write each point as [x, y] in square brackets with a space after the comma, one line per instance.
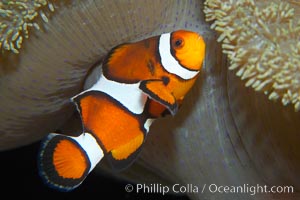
[139, 83]
[127, 94]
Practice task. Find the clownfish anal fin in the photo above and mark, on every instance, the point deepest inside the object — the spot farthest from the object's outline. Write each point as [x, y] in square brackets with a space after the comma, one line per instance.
[119, 165]
[156, 90]
[122, 157]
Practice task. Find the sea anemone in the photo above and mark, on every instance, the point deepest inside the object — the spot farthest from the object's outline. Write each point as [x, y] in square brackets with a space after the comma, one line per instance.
[262, 41]
[16, 19]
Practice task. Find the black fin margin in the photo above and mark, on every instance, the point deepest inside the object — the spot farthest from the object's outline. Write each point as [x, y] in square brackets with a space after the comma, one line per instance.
[173, 108]
[47, 170]
[120, 165]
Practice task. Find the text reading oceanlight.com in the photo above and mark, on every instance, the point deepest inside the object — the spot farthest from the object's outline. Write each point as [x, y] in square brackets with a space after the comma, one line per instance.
[212, 188]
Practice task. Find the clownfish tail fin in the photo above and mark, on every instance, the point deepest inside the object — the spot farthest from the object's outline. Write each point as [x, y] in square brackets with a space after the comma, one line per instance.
[65, 161]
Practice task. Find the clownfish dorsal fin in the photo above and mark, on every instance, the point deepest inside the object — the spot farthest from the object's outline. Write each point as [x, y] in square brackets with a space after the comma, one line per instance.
[65, 161]
[156, 89]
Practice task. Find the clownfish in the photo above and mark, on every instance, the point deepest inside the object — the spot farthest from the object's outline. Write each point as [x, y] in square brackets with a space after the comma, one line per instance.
[139, 83]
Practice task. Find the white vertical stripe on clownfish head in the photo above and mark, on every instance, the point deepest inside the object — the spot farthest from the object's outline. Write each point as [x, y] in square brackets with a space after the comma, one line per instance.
[169, 62]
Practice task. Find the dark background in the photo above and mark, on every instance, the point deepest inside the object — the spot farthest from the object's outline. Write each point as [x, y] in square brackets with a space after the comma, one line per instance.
[19, 177]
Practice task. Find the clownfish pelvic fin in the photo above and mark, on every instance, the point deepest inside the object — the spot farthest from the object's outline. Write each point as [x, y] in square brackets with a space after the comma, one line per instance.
[65, 161]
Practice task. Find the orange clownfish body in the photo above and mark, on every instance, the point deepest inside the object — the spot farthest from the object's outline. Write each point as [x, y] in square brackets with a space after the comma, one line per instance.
[139, 83]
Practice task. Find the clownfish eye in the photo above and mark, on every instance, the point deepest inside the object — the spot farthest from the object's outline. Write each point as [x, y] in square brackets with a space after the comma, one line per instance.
[178, 43]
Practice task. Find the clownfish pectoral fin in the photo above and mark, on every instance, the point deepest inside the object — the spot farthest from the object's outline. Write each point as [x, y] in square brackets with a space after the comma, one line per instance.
[156, 90]
[65, 161]
[123, 156]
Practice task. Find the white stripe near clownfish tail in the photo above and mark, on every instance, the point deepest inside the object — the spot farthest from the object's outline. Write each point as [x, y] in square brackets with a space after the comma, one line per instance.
[169, 63]
[65, 161]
